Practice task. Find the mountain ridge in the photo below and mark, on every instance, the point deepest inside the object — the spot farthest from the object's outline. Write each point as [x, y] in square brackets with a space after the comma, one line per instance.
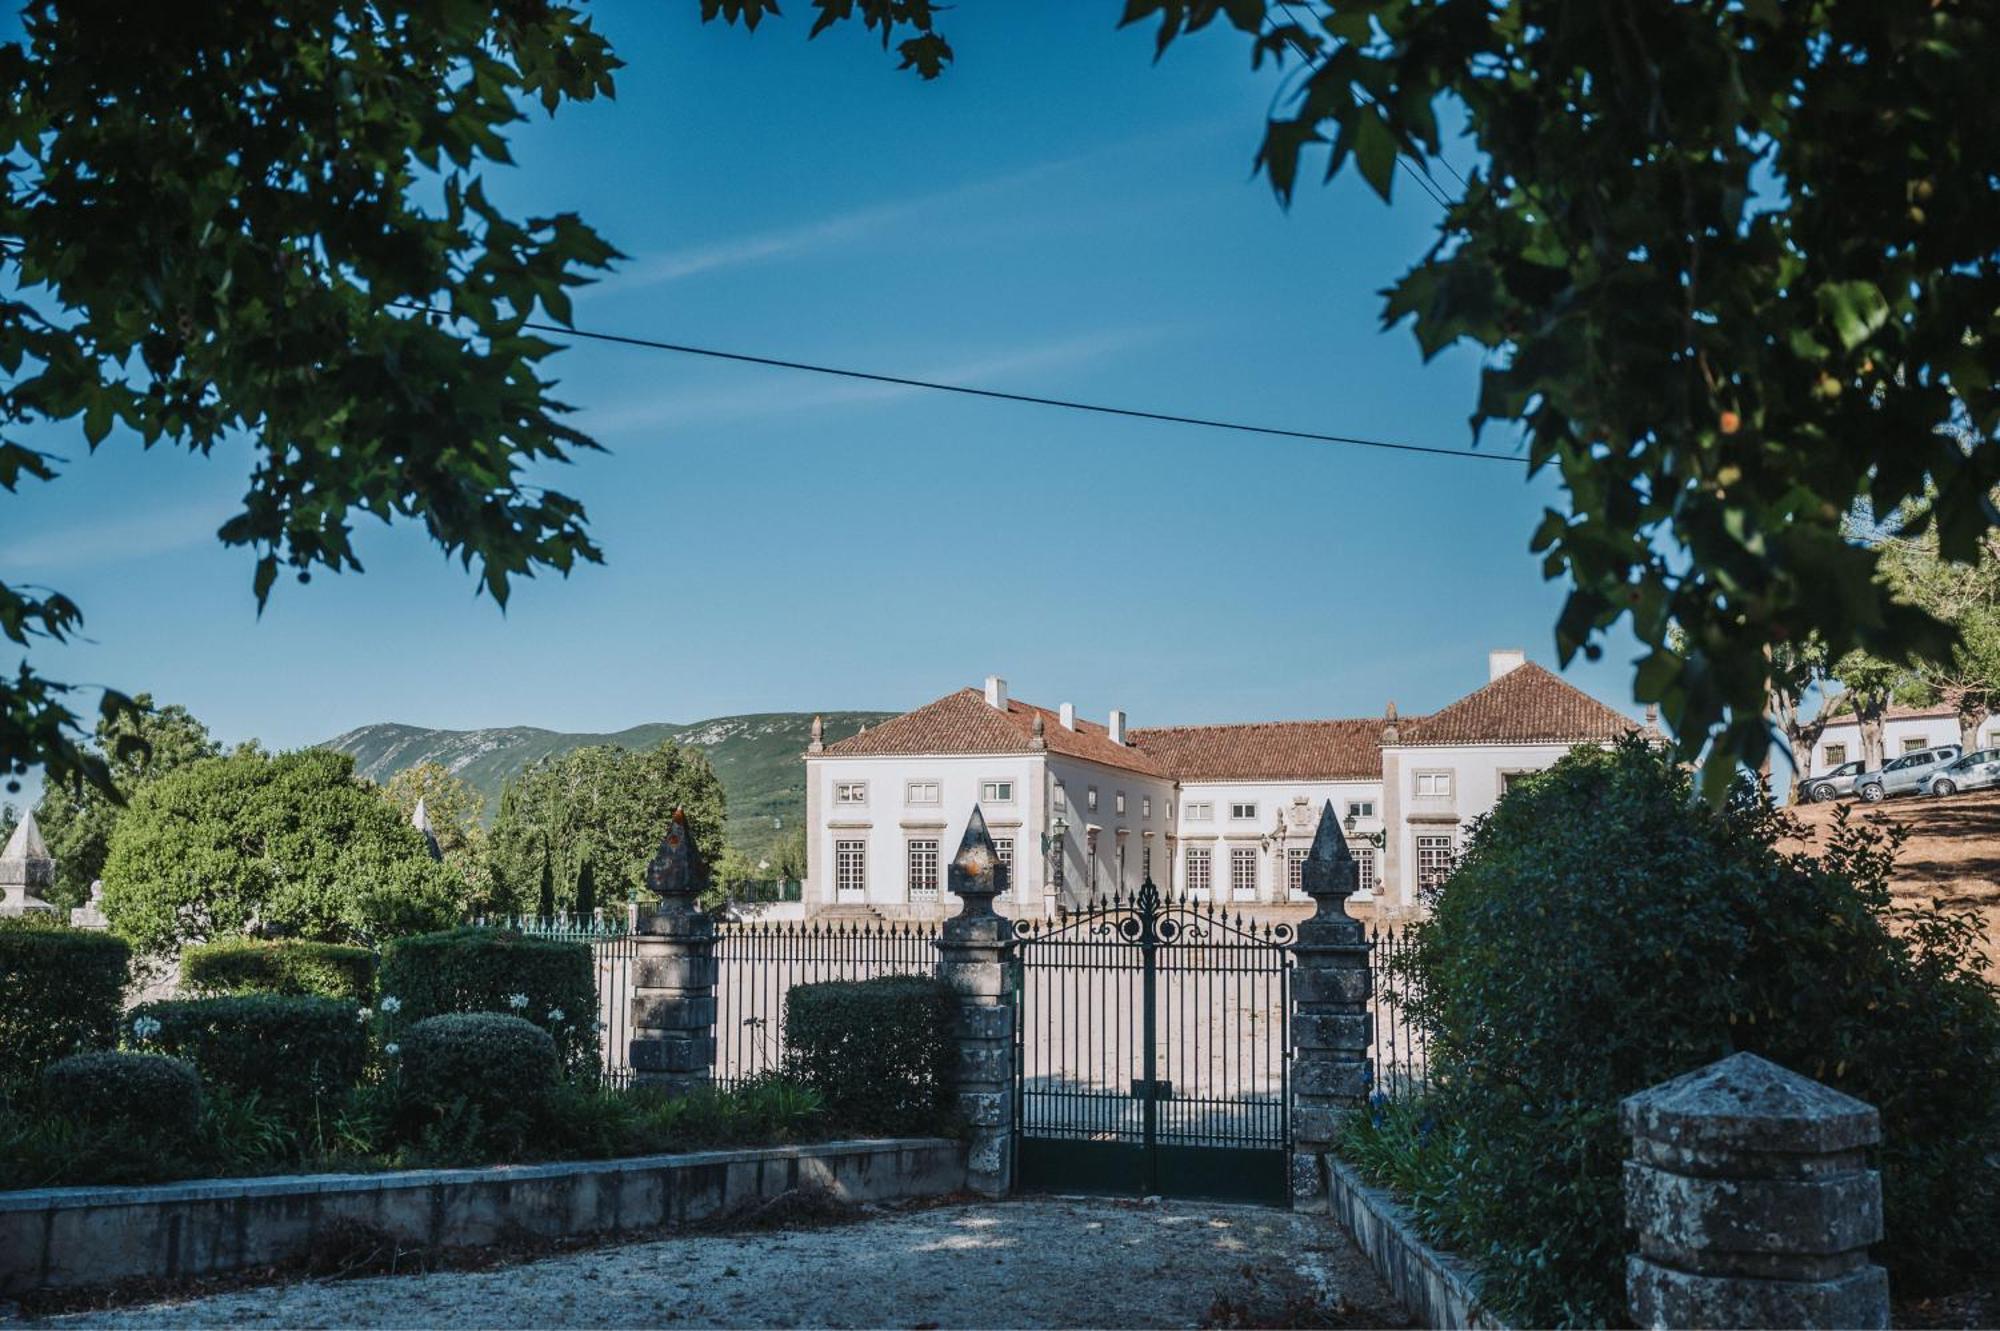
[756, 754]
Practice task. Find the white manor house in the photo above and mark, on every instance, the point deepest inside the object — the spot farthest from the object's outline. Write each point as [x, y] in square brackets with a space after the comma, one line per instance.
[1223, 813]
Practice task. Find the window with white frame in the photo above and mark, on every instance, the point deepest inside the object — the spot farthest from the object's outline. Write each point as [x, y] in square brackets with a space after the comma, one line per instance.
[920, 792]
[1361, 808]
[1199, 811]
[923, 870]
[1145, 806]
[1090, 799]
[996, 792]
[1003, 846]
[850, 868]
[1061, 798]
[1243, 812]
[1915, 745]
[1509, 780]
[1197, 870]
[1435, 855]
[850, 792]
[1295, 870]
[1433, 783]
[1243, 872]
[1834, 754]
[1364, 864]
[1118, 802]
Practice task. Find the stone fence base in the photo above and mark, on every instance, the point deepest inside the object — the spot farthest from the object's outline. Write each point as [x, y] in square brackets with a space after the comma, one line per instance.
[1436, 1287]
[66, 1238]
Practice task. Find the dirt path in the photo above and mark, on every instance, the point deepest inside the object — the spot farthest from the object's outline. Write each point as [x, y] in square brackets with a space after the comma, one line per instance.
[1032, 1263]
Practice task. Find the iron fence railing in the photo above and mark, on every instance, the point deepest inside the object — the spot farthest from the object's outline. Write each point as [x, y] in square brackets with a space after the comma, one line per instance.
[609, 937]
[1400, 1054]
[758, 963]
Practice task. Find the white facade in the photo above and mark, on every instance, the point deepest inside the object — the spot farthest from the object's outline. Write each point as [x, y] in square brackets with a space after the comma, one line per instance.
[1904, 730]
[1432, 794]
[1222, 823]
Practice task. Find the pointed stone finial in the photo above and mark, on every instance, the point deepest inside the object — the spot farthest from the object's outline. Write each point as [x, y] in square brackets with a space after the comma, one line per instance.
[863, 730]
[1391, 732]
[1329, 876]
[1039, 739]
[420, 818]
[818, 744]
[26, 870]
[675, 875]
[976, 876]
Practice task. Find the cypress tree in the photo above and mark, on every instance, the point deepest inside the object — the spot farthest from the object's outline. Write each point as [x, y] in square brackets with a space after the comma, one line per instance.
[548, 902]
[586, 889]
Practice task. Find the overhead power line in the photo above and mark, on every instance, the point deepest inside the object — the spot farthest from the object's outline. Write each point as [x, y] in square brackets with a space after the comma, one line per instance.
[1032, 399]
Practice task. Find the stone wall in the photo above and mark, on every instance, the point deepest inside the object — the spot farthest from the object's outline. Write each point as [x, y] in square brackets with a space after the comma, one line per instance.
[1436, 1287]
[65, 1238]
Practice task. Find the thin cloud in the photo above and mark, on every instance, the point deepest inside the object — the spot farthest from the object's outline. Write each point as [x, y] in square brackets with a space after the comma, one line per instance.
[761, 397]
[90, 545]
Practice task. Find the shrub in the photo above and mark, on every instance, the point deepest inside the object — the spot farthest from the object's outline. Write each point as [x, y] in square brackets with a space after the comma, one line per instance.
[60, 993]
[279, 966]
[1605, 932]
[151, 1095]
[542, 980]
[881, 1052]
[298, 1055]
[476, 1081]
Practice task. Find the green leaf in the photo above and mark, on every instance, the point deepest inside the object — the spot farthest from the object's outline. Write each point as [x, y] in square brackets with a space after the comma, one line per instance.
[1374, 147]
[1855, 309]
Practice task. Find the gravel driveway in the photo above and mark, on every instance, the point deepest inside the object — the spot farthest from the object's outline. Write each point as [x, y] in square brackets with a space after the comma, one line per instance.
[1032, 1263]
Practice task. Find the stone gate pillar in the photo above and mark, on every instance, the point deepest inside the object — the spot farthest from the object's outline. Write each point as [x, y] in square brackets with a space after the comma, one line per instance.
[976, 958]
[1753, 1201]
[1330, 1025]
[673, 971]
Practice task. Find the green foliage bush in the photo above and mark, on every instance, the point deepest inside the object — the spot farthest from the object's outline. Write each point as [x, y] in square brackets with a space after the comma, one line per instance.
[60, 993]
[545, 981]
[148, 1094]
[881, 1052]
[298, 1055]
[477, 1081]
[291, 966]
[1605, 932]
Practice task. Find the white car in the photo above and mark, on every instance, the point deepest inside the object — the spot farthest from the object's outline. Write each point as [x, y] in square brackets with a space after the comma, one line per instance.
[1907, 775]
[1975, 771]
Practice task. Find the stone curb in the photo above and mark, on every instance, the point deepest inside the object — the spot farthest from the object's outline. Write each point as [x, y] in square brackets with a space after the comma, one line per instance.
[1436, 1287]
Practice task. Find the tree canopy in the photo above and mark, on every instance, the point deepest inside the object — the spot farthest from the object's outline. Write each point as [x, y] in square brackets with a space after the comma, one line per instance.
[291, 845]
[608, 804]
[454, 809]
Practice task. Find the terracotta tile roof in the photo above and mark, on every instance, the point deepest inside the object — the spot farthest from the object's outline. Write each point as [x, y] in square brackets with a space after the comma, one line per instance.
[961, 722]
[1843, 713]
[1347, 750]
[1527, 705]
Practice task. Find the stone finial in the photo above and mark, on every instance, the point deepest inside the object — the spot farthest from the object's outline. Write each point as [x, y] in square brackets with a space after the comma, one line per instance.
[818, 744]
[26, 870]
[420, 818]
[90, 915]
[1749, 1190]
[1329, 876]
[975, 876]
[674, 876]
[1391, 732]
[1038, 737]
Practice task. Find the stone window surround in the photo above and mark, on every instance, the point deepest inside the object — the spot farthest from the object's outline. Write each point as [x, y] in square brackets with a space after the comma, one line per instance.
[1235, 808]
[1006, 781]
[1833, 755]
[1502, 775]
[840, 800]
[852, 852]
[922, 861]
[1417, 775]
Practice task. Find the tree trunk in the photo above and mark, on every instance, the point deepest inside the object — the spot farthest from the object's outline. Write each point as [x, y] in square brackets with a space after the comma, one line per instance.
[1971, 716]
[1870, 716]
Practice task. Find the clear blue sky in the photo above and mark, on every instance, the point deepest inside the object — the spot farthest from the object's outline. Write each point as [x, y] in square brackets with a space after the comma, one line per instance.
[1057, 214]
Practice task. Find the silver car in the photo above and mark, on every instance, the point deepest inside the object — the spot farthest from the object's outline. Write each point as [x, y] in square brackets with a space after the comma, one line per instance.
[1834, 784]
[1906, 775]
[1975, 771]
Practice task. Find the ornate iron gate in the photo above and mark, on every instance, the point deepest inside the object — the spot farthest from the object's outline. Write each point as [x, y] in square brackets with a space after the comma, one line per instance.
[1152, 1052]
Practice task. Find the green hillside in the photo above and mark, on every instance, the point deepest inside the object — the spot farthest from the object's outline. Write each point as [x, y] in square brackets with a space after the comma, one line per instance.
[757, 757]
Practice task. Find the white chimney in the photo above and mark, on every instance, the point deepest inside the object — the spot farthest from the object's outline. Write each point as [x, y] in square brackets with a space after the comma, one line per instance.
[1067, 715]
[1117, 726]
[996, 693]
[1500, 662]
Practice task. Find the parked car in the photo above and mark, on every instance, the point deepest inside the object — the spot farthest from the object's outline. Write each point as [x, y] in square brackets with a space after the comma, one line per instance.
[1834, 784]
[1975, 771]
[1906, 775]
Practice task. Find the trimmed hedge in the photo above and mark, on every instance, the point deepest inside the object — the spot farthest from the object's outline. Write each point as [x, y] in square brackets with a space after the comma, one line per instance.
[279, 966]
[60, 993]
[548, 982]
[146, 1093]
[882, 1052]
[488, 1074]
[297, 1055]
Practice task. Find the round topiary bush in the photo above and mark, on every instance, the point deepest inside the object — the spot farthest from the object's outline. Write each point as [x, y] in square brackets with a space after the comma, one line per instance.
[60, 993]
[492, 1073]
[297, 1055]
[549, 982]
[290, 966]
[150, 1094]
[1606, 931]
